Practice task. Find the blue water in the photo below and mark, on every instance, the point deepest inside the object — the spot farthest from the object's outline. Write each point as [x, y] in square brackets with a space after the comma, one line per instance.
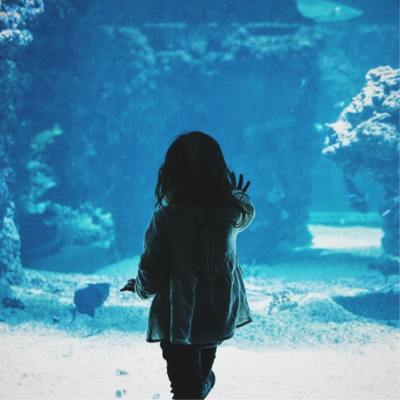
[262, 79]
[105, 87]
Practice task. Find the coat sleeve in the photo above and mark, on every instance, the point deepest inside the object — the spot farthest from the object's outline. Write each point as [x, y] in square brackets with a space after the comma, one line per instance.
[248, 205]
[154, 261]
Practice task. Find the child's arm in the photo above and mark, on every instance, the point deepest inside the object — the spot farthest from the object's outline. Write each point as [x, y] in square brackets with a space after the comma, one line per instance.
[154, 261]
[240, 193]
[248, 205]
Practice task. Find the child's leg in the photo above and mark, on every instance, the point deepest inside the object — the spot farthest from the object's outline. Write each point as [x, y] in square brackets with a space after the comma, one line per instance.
[207, 360]
[184, 370]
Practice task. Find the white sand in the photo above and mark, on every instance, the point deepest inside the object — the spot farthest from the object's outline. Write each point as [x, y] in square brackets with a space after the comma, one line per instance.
[317, 350]
[38, 363]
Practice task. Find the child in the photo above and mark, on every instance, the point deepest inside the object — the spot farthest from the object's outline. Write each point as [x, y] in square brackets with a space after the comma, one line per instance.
[189, 262]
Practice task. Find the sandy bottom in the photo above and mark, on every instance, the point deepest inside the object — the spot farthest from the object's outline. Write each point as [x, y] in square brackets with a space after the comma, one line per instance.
[38, 363]
[316, 350]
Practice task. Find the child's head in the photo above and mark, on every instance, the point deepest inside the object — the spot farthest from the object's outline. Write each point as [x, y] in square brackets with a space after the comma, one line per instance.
[194, 171]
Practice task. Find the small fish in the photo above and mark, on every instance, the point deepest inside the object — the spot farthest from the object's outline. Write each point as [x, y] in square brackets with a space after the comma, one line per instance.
[90, 298]
[326, 11]
[42, 139]
[284, 301]
[357, 199]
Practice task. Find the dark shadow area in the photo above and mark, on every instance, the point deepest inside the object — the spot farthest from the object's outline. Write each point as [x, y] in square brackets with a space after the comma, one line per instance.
[384, 306]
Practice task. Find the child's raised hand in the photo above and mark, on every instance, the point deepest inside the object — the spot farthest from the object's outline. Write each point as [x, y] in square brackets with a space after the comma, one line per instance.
[240, 183]
[130, 286]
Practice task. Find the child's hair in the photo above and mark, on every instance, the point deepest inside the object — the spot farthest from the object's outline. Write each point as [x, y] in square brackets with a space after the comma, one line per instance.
[195, 171]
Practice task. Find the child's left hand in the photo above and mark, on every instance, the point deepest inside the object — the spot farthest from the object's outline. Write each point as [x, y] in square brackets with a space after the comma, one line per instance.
[130, 286]
[240, 183]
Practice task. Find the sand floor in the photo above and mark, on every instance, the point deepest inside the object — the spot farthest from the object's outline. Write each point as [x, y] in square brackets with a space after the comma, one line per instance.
[38, 363]
[318, 350]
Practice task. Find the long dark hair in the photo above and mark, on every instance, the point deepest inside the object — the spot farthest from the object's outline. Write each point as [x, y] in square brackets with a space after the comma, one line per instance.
[195, 171]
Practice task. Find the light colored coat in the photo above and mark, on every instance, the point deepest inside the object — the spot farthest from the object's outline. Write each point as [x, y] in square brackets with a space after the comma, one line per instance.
[189, 265]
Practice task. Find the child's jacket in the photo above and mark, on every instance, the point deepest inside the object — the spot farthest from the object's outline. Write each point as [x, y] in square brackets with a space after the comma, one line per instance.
[189, 265]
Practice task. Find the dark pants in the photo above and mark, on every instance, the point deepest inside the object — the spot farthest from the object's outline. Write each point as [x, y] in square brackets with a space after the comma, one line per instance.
[188, 366]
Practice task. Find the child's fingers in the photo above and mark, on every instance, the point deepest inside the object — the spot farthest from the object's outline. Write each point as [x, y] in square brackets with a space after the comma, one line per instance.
[246, 186]
[128, 287]
[240, 184]
[233, 176]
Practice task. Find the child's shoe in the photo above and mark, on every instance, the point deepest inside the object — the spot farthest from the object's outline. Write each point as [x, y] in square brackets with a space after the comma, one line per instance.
[208, 385]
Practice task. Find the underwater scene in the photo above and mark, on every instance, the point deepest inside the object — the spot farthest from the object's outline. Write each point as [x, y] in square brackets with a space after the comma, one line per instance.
[303, 98]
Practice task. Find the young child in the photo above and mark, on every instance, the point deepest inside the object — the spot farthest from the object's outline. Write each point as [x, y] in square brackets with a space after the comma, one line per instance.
[189, 262]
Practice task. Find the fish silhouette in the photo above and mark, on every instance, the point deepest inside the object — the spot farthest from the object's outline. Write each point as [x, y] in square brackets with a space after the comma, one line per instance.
[284, 301]
[326, 11]
[42, 139]
[89, 298]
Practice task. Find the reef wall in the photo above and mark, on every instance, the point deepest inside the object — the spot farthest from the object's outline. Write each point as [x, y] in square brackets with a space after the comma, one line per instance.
[102, 93]
[366, 140]
[122, 86]
[15, 17]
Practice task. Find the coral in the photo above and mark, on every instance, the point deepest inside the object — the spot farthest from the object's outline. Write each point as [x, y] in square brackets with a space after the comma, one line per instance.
[13, 42]
[131, 47]
[212, 44]
[347, 54]
[154, 78]
[262, 40]
[9, 243]
[57, 226]
[40, 176]
[89, 224]
[66, 239]
[14, 16]
[4, 196]
[9, 238]
[366, 140]
[20, 12]
[41, 180]
[8, 83]
[366, 137]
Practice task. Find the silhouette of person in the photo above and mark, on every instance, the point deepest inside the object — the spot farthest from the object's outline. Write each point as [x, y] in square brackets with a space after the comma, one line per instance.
[189, 264]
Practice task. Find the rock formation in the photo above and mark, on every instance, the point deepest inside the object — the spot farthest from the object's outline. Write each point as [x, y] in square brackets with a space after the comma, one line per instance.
[121, 85]
[365, 140]
[152, 76]
[15, 16]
